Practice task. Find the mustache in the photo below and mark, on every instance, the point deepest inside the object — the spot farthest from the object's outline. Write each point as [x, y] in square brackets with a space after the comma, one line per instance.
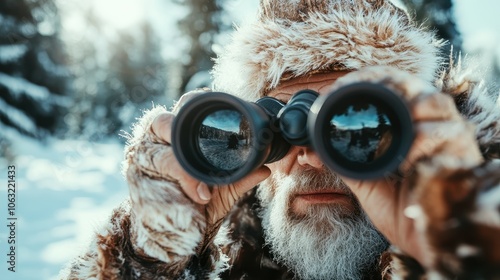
[282, 189]
[312, 179]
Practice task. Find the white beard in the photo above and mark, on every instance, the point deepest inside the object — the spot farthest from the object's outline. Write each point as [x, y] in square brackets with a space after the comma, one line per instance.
[325, 243]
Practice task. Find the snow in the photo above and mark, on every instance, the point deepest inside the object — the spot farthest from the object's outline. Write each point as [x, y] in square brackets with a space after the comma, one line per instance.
[49, 66]
[17, 117]
[19, 86]
[11, 53]
[465, 251]
[66, 189]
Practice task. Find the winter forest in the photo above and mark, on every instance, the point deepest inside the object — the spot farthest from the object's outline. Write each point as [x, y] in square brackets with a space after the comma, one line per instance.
[75, 75]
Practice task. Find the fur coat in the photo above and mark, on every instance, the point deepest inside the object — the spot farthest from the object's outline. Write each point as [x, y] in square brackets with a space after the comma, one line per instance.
[159, 233]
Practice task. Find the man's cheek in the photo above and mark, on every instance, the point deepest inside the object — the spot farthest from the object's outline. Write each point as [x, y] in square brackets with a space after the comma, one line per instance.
[266, 191]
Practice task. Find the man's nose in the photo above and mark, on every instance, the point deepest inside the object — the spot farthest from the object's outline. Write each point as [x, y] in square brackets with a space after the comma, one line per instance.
[306, 156]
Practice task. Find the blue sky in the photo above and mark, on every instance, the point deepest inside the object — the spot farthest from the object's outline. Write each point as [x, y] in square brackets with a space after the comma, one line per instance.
[224, 119]
[357, 119]
[477, 20]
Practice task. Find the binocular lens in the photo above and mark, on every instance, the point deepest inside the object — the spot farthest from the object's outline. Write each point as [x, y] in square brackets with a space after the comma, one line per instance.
[368, 130]
[225, 139]
[218, 138]
[362, 131]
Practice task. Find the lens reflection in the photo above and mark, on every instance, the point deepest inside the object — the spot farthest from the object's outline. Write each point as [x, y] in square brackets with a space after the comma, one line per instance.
[361, 133]
[225, 139]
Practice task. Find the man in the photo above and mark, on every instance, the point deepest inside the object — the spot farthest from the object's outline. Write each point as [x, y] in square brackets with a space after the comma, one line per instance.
[439, 217]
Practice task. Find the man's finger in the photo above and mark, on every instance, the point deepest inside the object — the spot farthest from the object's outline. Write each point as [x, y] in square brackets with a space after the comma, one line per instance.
[186, 97]
[162, 126]
[449, 138]
[193, 188]
[168, 167]
[251, 180]
[225, 196]
[434, 107]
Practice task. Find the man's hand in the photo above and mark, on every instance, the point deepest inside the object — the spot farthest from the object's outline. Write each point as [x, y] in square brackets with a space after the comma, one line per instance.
[217, 200]
[441, 133]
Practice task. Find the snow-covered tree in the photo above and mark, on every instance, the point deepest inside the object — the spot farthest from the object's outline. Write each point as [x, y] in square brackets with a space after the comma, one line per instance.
[205, 20]
[33, 76]
[115, 77]
[136, 75]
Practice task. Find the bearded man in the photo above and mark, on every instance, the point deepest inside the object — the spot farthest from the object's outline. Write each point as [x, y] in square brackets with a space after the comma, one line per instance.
[438, 218]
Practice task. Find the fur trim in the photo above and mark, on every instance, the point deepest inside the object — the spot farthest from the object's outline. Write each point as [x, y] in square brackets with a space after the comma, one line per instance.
[478, 102]
[284, 43]
[162, 212]
[459, 218]
[401, 82]
[400, 266]
[113, 255]
[159, 232]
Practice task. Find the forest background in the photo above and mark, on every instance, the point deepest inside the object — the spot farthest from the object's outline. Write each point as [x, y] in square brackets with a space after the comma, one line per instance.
[74, 76]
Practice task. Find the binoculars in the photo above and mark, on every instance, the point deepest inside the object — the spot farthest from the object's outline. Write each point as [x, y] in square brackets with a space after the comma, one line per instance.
[362, 131]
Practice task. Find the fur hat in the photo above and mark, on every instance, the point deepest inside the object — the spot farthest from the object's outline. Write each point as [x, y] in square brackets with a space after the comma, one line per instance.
[298, 37]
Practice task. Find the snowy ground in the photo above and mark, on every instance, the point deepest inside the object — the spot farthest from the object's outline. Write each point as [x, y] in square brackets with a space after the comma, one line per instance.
[65, 190]
[217, 153]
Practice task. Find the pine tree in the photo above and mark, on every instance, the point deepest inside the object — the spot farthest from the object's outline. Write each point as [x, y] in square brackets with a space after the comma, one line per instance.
[437, 15]
[136, 76]
[201, 26]
[117, 77]
[33, 75]
[88, 63]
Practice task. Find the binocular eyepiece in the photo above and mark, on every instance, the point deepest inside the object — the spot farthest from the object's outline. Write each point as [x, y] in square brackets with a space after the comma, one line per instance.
[363, 131]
